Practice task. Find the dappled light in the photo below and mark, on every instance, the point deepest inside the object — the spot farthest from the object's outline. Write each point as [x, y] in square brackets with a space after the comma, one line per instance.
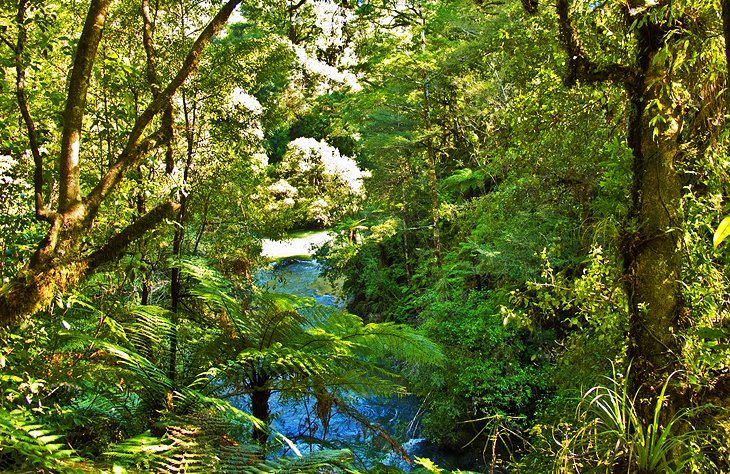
[372, 236]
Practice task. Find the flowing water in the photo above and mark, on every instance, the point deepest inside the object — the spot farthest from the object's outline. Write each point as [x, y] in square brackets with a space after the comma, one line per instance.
[294, 273]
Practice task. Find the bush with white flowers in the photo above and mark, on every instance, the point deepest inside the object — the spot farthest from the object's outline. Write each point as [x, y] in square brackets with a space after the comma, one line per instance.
[323, 184]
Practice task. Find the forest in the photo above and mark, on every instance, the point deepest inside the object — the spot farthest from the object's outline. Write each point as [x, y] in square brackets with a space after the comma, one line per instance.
[526, 218]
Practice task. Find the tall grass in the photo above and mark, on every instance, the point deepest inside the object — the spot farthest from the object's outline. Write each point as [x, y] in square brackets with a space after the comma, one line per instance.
[612, 437]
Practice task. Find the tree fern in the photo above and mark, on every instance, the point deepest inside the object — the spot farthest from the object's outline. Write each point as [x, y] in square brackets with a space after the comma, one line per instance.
[202, 442]
[299, 348]
[259, 342]
[151, 327]
[465, 180]
[27, 444]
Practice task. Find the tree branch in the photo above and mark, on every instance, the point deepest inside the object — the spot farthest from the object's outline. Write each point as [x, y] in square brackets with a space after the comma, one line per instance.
[130, 155]
[294, 7]
[580, 67]
[155, 87]
[363, 420]
[73, 116]
[114, 248]
[41, 212]
[530, 6]
[7, 42]
[145, 145]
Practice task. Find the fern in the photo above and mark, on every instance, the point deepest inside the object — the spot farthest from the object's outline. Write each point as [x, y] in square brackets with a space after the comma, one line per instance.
[465, 180]
[273, 342]
[209, 286]
[152, 326]
[202, 442]
[139, 451]
[28, 445]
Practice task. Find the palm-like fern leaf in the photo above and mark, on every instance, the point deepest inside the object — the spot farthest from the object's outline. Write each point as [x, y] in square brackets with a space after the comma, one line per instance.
[27, 444]
[152, 326]
[202, 442]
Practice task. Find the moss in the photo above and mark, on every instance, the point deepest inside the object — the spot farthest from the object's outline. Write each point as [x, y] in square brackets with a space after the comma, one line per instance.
[34, 290]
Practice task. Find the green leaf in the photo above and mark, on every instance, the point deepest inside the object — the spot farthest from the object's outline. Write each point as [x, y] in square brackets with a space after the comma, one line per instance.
[723, 230]
[711, 333]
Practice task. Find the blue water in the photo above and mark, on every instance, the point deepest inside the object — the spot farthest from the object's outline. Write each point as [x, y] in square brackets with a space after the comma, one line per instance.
[300, 278]
[296, 419]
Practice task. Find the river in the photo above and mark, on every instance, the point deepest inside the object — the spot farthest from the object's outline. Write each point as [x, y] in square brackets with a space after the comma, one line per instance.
[293, 271]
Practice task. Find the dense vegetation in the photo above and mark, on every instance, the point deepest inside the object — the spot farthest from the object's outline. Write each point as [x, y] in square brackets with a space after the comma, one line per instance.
[523, 196]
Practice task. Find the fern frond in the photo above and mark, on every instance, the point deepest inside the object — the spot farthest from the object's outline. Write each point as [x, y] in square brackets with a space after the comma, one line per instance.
[465, 180]
[210, 286]
[398, 341]
[278, 360]
[152, 325]
[119, 407]
[207, 441]
[151, 376]
[140, 451]
[28, 444]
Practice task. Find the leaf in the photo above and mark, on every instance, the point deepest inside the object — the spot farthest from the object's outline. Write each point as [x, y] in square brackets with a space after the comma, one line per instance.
[723, 230]
[429, 465]
[710, 333]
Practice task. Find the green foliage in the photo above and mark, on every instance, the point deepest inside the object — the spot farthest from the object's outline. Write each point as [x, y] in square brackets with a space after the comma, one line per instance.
[18, 229]
[465, 181]
[205, 440]
[609, 434]
[28, 444]
[370, 256]
[589, 312]
[534, 190]
[705, 348]
[491, 367]
[299, 347]
[722, 232]
[129, 407]
[33, 385]
[323, 121]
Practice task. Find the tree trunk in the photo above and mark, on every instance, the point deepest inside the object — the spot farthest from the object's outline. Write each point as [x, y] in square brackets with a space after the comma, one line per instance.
[37, 285]
[652, 231]
[57, 263]
[652, 261]
[175, 287]
[430, 153]
[73, 116]
[726, 33]
[260, 409]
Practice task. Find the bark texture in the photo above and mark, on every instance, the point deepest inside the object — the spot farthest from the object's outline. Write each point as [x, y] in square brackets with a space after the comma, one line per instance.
[59, 261]
[652, 258]
[657, 132]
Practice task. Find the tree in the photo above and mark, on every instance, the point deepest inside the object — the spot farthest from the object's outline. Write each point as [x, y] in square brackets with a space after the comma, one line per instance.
[317, 184]
[300, 348]
[409, 26]
[61, 258]
[655, 52]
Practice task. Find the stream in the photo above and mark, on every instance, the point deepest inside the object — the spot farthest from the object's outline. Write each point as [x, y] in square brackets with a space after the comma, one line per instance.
[293, 271]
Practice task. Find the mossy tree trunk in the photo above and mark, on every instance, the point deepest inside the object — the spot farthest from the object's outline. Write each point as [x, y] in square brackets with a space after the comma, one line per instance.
[59, 262]
[658, 132]
[653, 230]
